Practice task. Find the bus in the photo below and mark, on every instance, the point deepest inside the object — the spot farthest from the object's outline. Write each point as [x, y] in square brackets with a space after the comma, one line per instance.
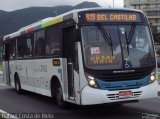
[86, 57]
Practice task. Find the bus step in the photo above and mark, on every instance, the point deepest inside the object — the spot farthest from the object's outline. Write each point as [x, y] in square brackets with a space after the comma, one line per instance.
[71, 98]
[71, 101]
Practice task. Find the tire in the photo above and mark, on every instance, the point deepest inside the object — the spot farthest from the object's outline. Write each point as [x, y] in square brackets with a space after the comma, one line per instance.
[18, 85]
[59, 98]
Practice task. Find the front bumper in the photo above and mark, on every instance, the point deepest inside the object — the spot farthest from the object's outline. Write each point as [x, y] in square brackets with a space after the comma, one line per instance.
[91, 96]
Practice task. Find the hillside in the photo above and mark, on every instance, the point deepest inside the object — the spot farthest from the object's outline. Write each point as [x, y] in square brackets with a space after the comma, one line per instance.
[12, 21]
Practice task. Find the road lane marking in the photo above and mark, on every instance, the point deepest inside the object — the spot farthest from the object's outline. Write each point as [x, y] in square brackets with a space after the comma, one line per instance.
[7, 115]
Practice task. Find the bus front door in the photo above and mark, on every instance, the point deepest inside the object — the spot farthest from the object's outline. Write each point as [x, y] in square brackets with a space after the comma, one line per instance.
[68, 40]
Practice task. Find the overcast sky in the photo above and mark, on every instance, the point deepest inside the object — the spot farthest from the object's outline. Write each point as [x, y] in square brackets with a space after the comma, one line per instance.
[10, 5]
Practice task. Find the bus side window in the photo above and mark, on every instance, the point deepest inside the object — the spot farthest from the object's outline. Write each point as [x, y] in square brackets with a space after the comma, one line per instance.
[53, 41]
[39, 41]
[28, 46]
[20, 47]
[48, 40]
[12, 49]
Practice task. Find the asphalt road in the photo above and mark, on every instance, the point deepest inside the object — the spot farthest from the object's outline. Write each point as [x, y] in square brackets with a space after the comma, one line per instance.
[31, 103]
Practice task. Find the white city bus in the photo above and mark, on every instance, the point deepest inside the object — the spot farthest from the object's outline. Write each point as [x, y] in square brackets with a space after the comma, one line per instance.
[86, 57]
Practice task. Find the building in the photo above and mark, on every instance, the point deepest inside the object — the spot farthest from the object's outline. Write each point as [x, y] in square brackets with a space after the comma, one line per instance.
[150, 7]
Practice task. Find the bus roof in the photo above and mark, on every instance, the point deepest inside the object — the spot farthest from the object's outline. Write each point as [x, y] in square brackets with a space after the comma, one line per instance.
[54, 20]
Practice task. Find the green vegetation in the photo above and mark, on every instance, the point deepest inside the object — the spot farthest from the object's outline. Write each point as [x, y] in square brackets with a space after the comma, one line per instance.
[159, 76]
[0, 66]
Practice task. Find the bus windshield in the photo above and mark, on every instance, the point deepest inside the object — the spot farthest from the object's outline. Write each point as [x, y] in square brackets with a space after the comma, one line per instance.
[107, 47]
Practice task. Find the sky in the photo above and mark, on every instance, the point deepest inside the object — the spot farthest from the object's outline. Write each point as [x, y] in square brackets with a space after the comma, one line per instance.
[11, 5]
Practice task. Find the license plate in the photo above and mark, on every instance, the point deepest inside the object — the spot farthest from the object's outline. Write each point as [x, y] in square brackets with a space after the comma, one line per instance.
[125, 93]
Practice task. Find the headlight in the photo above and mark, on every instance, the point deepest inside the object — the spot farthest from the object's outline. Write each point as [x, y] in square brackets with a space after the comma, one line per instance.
[91, 81]
[152, 77]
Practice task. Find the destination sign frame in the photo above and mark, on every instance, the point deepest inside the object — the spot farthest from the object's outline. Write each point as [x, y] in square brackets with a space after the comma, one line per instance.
[109, 16]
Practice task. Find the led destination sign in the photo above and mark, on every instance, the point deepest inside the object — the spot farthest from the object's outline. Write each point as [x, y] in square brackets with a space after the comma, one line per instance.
[111, 17]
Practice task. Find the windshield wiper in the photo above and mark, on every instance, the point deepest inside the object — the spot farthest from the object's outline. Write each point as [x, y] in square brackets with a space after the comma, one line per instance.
[127, 41]
[106, 37]
[131, 33]
[130, 36]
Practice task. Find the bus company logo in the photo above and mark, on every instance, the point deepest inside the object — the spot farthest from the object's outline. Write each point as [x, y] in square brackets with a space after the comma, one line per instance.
[123, 71]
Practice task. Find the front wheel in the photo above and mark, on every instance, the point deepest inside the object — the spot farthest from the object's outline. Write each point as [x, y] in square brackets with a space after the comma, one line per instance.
[59, 98]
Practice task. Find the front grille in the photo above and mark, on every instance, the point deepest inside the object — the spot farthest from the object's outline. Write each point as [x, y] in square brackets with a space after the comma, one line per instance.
[122, 74]
[110, 76]
[121, 77]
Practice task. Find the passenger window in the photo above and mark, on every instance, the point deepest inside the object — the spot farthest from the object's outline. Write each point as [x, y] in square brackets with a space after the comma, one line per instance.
[20, 46]
[39, 43]
[28, 44]
[53, 41]
[12, 46]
